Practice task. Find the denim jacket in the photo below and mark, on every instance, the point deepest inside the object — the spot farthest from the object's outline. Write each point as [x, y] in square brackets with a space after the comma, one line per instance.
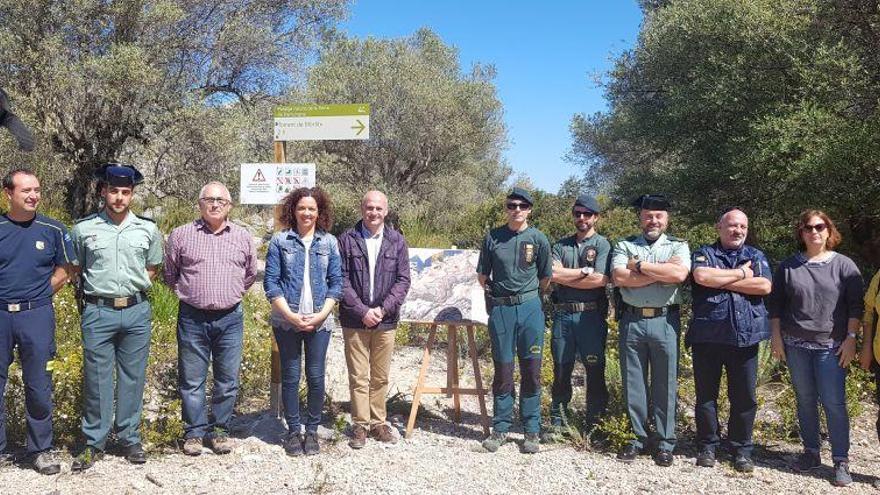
[284, 272]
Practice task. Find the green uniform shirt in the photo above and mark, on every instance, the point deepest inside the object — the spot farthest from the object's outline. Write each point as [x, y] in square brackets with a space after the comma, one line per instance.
[665, 247]
[593, 251]
[515, 261]
[113, 257]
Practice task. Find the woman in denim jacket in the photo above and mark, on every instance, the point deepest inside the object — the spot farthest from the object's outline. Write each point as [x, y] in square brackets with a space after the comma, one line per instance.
[302, 304]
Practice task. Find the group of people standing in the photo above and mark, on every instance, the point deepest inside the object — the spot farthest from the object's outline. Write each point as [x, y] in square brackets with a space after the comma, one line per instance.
[810, 308]
[112, 257]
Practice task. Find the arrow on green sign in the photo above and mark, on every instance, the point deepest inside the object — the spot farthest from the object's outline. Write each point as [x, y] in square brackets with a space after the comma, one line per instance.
[360, 127]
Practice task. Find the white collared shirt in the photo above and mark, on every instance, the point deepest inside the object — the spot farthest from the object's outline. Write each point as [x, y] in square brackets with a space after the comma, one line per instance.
[373, 242]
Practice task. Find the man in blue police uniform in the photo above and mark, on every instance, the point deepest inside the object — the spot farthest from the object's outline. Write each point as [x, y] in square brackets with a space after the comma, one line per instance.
[514, 265]
[118, 254]
[649, 269]
[729, 321]
[580, 308]
[35, 258]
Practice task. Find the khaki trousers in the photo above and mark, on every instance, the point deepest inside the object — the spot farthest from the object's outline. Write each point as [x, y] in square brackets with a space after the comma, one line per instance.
[368, 356]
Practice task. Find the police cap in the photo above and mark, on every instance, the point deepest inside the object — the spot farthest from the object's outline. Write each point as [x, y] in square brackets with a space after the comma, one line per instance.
[520, 193]
[119, 175]
[651, 202]
[588, 202]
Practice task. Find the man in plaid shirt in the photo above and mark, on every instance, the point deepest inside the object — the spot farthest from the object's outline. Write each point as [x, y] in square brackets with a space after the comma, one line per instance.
[209, 263]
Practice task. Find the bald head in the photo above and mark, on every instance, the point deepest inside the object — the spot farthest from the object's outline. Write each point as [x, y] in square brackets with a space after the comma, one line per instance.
[374, 208]
[733, 228]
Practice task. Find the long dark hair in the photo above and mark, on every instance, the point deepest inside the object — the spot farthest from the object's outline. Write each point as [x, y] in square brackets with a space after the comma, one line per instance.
[325, 209]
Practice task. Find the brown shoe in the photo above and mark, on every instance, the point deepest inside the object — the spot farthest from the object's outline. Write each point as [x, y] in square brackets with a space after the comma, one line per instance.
[220, 443]
[192, 446]
[383, 434]
[358, 437]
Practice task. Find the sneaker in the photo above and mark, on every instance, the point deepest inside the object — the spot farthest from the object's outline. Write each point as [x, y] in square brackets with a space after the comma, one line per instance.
[45, 463]
[293, 445]
[86, 459]
[743, 464]
[807, 461]
[135, 454]
[531, 444]
[664, 458]
[706, 458]
[311, 445]
[841, 473]
[628, 454]
[358, 437]
[192, 446]
[6, 459]
[384, 434]
[495, 441]
[220, 443]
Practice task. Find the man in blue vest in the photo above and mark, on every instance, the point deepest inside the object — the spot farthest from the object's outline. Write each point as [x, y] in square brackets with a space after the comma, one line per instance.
[729, 321]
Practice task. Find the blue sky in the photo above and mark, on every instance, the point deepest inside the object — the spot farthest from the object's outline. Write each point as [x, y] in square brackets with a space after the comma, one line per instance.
[545, 54]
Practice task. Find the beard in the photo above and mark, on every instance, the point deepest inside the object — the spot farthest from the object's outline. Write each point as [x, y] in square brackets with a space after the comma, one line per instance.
[653, 234]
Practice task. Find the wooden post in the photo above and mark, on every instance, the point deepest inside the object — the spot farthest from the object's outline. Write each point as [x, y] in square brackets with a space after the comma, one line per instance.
[275, 385]
[453, 387]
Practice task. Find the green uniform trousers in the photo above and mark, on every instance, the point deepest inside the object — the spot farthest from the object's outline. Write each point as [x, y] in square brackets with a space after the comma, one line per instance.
[648, 364]
[580, 335]
[114, 339]
[517, 330]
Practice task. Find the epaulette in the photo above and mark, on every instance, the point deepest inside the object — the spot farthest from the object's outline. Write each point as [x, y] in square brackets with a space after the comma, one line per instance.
[632, 238]
[87, 217]
[675, 239]
[146, 218]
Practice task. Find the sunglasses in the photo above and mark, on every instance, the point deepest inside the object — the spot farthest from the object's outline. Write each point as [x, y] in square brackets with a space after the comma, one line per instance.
[582, 214]
[819, 227]
[216, 201]
[519, 206]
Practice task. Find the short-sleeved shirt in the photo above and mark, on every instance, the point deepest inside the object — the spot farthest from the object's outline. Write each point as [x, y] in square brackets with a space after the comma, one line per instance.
[114, 258]
[656, 294]
[29, 253]
[723, 316]
[515, 261]
[593, 251]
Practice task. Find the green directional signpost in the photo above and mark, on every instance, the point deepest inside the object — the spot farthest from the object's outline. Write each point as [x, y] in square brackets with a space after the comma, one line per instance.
[314, 122]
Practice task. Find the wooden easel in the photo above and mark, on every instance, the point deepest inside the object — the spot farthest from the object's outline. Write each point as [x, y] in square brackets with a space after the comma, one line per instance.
[452, 388]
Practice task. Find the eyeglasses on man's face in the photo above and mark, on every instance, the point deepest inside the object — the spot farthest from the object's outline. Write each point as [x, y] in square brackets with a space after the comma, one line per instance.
[216, 201]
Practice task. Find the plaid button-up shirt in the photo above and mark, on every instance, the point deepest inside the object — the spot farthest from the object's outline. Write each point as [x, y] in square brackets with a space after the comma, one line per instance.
[207, 270]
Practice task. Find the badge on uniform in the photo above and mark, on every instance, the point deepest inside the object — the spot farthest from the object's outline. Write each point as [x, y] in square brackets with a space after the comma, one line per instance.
[41, 245]
[528, 253]
[589, 257]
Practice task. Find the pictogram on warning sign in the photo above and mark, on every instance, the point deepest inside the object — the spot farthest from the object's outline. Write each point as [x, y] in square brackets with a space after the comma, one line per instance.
[259, 177]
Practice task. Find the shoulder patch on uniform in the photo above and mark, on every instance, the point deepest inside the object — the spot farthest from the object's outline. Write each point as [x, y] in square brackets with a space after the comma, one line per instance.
[87, 217]
[145, 218]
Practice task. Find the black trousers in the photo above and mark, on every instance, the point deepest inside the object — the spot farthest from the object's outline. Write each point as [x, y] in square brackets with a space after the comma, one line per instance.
[741, 364]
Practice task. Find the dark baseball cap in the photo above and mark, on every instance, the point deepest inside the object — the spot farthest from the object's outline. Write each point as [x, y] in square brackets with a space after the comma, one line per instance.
[588, 202]
[520, 193]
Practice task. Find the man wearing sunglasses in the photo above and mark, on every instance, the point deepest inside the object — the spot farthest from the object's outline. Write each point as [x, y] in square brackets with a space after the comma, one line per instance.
[729, 321]
[210, 264]
[649, 269]
[580, 306]
[514, 265]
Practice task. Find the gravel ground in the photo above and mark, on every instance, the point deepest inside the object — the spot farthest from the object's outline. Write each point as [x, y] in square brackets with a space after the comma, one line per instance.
[440, 457]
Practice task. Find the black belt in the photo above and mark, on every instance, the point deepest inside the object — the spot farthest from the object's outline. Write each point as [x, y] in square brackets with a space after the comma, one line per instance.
[513, 300]
[117, 302]
[649, 312]
[16, 307]
[575, 307]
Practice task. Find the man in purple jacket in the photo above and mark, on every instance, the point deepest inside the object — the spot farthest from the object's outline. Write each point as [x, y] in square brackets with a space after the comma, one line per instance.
[375, 273]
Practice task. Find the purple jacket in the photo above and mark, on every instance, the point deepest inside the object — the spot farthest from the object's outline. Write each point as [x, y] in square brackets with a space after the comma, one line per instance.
[390, 284]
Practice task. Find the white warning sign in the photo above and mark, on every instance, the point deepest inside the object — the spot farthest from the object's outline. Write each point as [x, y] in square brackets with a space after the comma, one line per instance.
[268, 183]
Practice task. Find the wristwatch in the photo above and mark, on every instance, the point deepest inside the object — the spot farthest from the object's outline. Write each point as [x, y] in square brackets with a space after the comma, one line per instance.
[851, 334]
[587, 271]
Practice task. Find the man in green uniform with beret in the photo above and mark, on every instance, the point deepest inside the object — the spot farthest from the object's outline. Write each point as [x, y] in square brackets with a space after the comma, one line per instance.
[649, 269]
[514, 265]
[580, 308]
[118, 254]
